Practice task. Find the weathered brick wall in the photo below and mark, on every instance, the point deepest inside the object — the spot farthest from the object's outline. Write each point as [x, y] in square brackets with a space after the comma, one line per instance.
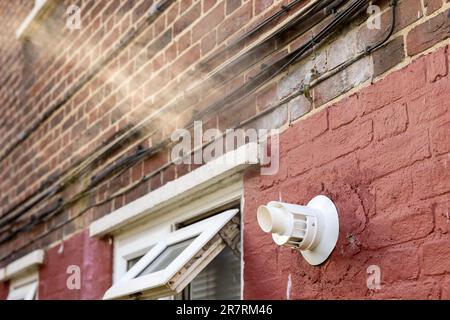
[381, 155]
[91, 86]
[93, 256]
[67, 95]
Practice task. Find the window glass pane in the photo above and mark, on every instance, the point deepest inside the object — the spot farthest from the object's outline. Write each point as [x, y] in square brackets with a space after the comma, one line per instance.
[220, 280]
[166, 257]
[132, 262]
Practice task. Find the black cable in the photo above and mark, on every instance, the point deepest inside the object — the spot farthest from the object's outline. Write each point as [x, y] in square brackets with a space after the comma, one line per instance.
[284, 9]
[262, 47]
[25, 209]
[340, 17]
[95, 180]
[86, 77]
[393, 5]
[35, 220]
[135, 130]
[243, 92]
[46, 188]
[155, 11]
[366, 52]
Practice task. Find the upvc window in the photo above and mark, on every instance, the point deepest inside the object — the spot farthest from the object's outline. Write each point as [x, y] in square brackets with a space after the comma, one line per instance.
[199, 261]
[171, 243]
[22, 275]
[220, 280]
[24, 287]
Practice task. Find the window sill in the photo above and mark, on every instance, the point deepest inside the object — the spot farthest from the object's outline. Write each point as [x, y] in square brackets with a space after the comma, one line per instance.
[22, 265]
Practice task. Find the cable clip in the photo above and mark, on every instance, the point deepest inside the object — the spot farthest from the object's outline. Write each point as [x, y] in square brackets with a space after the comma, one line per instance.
[306, 85]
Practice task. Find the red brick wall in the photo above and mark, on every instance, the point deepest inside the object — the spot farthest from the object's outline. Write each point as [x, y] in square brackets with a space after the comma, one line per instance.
[383, 156]
[4, 287]
[94, 257]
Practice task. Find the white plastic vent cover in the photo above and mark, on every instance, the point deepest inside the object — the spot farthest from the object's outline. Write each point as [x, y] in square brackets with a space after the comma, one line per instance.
[312, 229]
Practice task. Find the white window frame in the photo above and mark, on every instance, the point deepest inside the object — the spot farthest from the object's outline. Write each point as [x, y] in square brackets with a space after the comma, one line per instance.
[24, 287]
[23, 275]
[138, 239]
[28, 263]
[135, 244]
[139, 225]
[156, 284]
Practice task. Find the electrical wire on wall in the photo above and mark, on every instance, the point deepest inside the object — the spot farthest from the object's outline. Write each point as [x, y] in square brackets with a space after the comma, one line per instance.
[270, 73]
[155, 11]
[339, 19]
[122, 139]
[303, 49]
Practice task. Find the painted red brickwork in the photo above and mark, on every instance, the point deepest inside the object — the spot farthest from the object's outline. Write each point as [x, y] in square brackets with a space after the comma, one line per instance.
[383, 156]
[4, 288]
[93, 256]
